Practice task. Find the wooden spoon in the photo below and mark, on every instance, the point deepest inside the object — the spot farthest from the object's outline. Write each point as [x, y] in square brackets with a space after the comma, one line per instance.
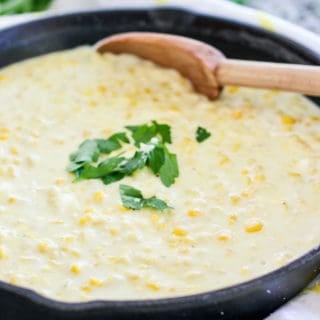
[208, 69]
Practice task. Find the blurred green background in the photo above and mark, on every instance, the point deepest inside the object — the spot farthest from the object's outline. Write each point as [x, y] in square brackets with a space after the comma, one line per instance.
[21, 6]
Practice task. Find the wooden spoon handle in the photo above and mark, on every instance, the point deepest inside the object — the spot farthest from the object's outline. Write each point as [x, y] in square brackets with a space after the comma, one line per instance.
[288, 77]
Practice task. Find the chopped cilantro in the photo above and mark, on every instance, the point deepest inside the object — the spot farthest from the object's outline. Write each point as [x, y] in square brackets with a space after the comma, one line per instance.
[151, 152]
[90, 150]
[132, 198]
[169, 171]
[144, 133]
[202, 134]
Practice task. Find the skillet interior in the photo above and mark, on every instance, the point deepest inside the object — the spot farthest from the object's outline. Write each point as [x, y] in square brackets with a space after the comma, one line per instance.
[252, 300]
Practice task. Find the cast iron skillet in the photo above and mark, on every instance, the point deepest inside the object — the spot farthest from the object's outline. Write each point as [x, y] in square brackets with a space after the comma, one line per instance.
[251, 300]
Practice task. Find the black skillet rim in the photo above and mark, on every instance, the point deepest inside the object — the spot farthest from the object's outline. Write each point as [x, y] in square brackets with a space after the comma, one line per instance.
[180, 302]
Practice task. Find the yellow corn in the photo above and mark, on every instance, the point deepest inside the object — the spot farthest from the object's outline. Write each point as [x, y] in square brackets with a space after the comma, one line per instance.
[14, 151]
[285, 119]
[98, 196]
[102, 89]
[193, 213]
[260, 177]
[2, 253]
[86, 288]
[75, 269]
[233, 218]
[234, 200]
[254, 226]
[224, 160]
[294, 174]
[223, 236]
[233, 89]
[95, 282]
[153, 286]
[59, 182]
[12, 199]
[42, 247]
[85, 220]
[179, 232]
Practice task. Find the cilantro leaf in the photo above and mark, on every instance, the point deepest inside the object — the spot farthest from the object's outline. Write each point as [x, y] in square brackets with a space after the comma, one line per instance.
[105, 167]
[164, 131]
[138, 161]
[112, 143]
[156, 159]
[132, 198]
[112, 177]
[88, 152]
[155, 203]
[144, 133]
[169, 170]
[202, 134]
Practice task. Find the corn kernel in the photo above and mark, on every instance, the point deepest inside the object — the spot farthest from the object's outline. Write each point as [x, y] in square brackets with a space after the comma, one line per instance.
[3, 77]
[4, 130]
[285, 119]
[234, 200]
[179, 232]
[14, 151]
[123, 208]
[223, 236]
[88, 92]
[4, 137]
[102, 89]
[88, 210]
[315, 288]
[294, 174]
[254, 226]
[59, 182]
[75, 269]
[95, 282]
[260, 177]
[233, 89]
[42, 247]
[153, 286]
[85, 220]
[93, 103]
[2, 253]
[224, 160]
[244, 172]
[233, 218]
[175, 109]
[12, 199]
[114, 232]
[245, 194]
[193, 213]
[237, 114]
[86, 288]
[98, 196]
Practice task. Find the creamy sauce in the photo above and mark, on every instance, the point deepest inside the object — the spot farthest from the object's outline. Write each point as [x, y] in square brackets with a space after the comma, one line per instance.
[246, 201]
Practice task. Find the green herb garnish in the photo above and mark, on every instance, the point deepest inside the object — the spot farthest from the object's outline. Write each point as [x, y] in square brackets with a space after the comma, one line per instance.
[90, 150]
[151, 152]
[144, 133]
[202, 134]
[133, 199]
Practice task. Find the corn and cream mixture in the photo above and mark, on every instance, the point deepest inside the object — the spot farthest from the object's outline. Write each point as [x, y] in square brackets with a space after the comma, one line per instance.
[246, 201]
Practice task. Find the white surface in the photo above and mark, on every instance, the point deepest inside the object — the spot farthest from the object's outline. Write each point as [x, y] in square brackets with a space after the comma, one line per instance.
[307, 305]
